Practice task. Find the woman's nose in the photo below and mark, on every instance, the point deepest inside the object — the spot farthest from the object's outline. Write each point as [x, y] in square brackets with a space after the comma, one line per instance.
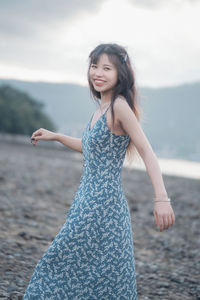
[98, 72]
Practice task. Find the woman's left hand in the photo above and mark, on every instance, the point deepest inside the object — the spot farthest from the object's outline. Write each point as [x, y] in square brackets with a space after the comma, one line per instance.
[164, 215]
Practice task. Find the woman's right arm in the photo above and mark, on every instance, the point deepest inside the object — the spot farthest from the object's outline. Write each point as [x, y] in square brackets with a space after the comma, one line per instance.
[69, 141]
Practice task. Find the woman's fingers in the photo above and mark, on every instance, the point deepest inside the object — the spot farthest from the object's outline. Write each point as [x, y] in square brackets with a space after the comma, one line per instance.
[173, 217]
[171, 220]
[33, 141]
[161, 223]
[156, 218]
[166, 222]
[37, 135]
[37, 132]
[164, 215]
[43, 134]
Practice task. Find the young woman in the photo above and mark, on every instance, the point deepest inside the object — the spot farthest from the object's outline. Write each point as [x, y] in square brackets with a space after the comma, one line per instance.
[92, 257]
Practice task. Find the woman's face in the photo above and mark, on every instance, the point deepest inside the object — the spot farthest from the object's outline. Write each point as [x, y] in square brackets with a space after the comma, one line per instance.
[103, 75]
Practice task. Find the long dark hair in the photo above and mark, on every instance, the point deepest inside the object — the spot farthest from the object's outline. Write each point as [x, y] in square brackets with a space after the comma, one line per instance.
[125, 86]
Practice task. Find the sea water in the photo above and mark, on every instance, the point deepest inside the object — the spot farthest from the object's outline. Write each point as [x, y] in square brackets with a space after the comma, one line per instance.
[175, 167]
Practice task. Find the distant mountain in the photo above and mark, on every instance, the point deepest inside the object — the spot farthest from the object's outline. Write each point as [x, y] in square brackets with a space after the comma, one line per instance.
[170, 119]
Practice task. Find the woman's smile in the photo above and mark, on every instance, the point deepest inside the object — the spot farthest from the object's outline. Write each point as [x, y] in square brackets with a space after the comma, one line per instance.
[99, 82]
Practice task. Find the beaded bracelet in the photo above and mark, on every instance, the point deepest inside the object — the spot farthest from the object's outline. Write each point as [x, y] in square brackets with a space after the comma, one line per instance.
[162, 199]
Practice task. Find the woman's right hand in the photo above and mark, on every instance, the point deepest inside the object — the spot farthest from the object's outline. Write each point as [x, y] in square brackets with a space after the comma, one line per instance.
[42, 134]
[164, 215]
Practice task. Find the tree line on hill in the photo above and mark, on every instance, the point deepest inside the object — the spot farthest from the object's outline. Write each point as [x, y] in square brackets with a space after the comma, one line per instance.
[20, 113]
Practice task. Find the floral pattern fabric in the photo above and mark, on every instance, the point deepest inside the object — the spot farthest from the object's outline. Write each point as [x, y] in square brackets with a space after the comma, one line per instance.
[92, 256]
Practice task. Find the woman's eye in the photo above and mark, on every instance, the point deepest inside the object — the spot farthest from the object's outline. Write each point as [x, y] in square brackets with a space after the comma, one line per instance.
[106, 69]
[93, 66]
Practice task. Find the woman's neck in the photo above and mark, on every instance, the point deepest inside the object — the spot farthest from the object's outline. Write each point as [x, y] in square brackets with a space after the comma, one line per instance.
[105, 98]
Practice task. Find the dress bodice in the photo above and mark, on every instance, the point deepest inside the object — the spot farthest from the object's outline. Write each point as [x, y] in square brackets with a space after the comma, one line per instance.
[103, 151]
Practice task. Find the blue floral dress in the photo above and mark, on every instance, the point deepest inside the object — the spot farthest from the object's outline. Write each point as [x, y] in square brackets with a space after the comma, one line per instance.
[92, 256]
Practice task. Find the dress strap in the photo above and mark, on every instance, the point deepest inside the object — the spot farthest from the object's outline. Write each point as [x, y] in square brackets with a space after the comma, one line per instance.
[107, 107]
[99, 117]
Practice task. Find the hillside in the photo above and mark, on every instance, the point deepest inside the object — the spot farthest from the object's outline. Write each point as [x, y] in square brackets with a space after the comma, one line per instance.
[170, 115]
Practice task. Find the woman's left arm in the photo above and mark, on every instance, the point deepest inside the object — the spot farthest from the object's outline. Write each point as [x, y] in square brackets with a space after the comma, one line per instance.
[163, 212]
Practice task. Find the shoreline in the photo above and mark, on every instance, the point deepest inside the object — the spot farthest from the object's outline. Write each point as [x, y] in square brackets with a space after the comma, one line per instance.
[169, 166]
[174, 167]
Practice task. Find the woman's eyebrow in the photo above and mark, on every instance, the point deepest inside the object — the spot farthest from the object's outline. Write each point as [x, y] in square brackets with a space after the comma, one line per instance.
[108, 65]
[103, 65]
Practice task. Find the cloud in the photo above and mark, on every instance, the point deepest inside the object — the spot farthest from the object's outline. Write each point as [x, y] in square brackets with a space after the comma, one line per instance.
[32, 32]
[152, 4]
[51, 40]
[24, 18]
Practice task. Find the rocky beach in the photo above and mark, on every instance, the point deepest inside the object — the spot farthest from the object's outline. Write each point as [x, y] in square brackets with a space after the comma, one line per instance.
[37, 186]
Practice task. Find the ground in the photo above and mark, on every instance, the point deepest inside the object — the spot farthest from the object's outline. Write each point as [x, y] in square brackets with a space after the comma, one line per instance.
[37, 186]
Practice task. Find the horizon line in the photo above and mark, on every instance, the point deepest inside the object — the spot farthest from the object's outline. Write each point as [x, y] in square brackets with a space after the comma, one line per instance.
[86, 85]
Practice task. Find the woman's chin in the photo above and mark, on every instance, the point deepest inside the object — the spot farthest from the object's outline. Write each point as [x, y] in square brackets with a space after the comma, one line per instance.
[98, 88]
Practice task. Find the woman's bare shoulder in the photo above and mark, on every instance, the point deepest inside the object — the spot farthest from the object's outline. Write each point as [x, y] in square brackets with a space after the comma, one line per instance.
[120, 98]
[121, 105]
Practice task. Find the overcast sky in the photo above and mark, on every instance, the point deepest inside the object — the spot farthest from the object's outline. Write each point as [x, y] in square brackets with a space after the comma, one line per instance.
[50, 40]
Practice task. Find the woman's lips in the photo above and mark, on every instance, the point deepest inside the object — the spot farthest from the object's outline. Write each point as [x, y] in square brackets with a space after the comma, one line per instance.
[99, 82]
